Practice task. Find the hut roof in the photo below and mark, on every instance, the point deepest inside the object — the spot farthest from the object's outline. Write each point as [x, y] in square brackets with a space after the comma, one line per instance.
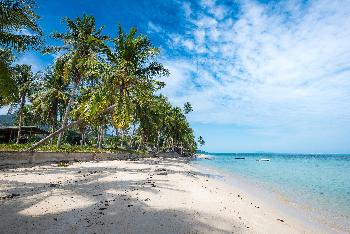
[6, 130]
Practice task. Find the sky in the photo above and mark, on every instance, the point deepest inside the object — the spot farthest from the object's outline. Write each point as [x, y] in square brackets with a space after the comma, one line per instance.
[270, 76]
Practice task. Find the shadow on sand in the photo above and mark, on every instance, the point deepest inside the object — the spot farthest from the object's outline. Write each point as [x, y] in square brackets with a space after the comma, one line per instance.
[104, 211]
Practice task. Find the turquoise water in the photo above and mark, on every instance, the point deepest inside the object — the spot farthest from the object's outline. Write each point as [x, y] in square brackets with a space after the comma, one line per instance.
[319, 182]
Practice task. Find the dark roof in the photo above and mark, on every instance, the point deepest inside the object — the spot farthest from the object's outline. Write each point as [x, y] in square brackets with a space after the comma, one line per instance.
[24, 130]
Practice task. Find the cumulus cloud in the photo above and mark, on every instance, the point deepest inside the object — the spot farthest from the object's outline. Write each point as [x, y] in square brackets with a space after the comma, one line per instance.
[276, 67]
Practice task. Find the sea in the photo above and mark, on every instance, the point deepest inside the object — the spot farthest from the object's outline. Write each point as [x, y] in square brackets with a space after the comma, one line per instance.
[316, 183]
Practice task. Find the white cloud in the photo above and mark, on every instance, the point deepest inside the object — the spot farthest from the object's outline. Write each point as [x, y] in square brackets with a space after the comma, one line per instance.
[153, 28]
[286, 67]
[34, 61]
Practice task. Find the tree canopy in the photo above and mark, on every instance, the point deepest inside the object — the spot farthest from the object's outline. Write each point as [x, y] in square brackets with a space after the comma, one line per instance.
[100, 91]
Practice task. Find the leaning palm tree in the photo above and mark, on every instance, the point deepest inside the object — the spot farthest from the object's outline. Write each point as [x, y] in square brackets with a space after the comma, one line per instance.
[82, 44]
[18, 25]
[50, 98]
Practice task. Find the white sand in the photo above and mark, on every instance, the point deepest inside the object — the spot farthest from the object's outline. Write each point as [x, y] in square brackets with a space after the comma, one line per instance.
[130, 197]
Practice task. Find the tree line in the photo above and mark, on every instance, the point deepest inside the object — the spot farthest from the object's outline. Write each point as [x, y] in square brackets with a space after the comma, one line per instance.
[97, 85]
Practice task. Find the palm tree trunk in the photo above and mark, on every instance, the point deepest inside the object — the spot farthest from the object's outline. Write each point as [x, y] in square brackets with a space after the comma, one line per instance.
[23, 99]
[82, 134]
[172, 144]
[102, 135]
[116, 137]
[54, 118]
[42, 141]
[99, 137]
[65, 118]
[158, 141]
[52, 131]
[122, 139]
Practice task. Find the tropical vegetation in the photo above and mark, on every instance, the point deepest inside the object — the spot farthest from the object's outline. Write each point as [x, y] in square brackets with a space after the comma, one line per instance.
[100, 92]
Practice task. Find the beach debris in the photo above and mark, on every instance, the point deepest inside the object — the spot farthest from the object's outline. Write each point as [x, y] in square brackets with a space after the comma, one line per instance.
[281, 220]
[63, 164]
[161, 171]
[130, 205]
[10, 196]
[95, 195]
[54, 185]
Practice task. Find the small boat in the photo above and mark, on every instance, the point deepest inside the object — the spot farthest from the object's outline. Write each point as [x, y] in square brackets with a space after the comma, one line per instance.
[239, 158]
[263, 159]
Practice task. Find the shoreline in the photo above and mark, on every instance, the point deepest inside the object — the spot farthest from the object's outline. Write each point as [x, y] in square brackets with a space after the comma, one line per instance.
[277, 200]
[153, 195]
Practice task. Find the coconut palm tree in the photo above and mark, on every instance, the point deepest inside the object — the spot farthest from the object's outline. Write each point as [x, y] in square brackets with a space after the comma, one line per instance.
[201, 141]
[188, 108]
[50, 99]
[133, 71]
[7, 94]
[18, 31]
[82, 44]
[23, 79]
[129, 80]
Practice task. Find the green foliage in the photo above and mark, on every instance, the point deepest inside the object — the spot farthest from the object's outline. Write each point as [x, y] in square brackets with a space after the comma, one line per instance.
[72, 137]
[188, 108]
[18, 25]
[50, 97]
[82, 43]
[7, 84]
[201, 141]
[104, 86]
[66, 148]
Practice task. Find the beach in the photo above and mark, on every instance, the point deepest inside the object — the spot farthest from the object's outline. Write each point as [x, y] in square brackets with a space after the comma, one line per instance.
[154, 195]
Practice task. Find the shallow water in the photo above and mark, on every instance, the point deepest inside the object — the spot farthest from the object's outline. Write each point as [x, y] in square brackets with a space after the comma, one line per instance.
[317, 182]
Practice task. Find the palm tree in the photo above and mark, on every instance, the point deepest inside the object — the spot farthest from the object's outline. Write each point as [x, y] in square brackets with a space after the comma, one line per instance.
[50, 98]
[82, 43]
[188, 108]
[132, 71]
[7, 94]
[23, 79]
[18, 31]
[128, 80]
[18, 25]
[201, 141]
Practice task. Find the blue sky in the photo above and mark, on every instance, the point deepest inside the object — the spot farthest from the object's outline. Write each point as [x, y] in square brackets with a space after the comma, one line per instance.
[261, 75]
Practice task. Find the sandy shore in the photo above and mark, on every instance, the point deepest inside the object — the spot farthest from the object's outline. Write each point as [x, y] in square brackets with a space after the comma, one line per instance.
[145, 196]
